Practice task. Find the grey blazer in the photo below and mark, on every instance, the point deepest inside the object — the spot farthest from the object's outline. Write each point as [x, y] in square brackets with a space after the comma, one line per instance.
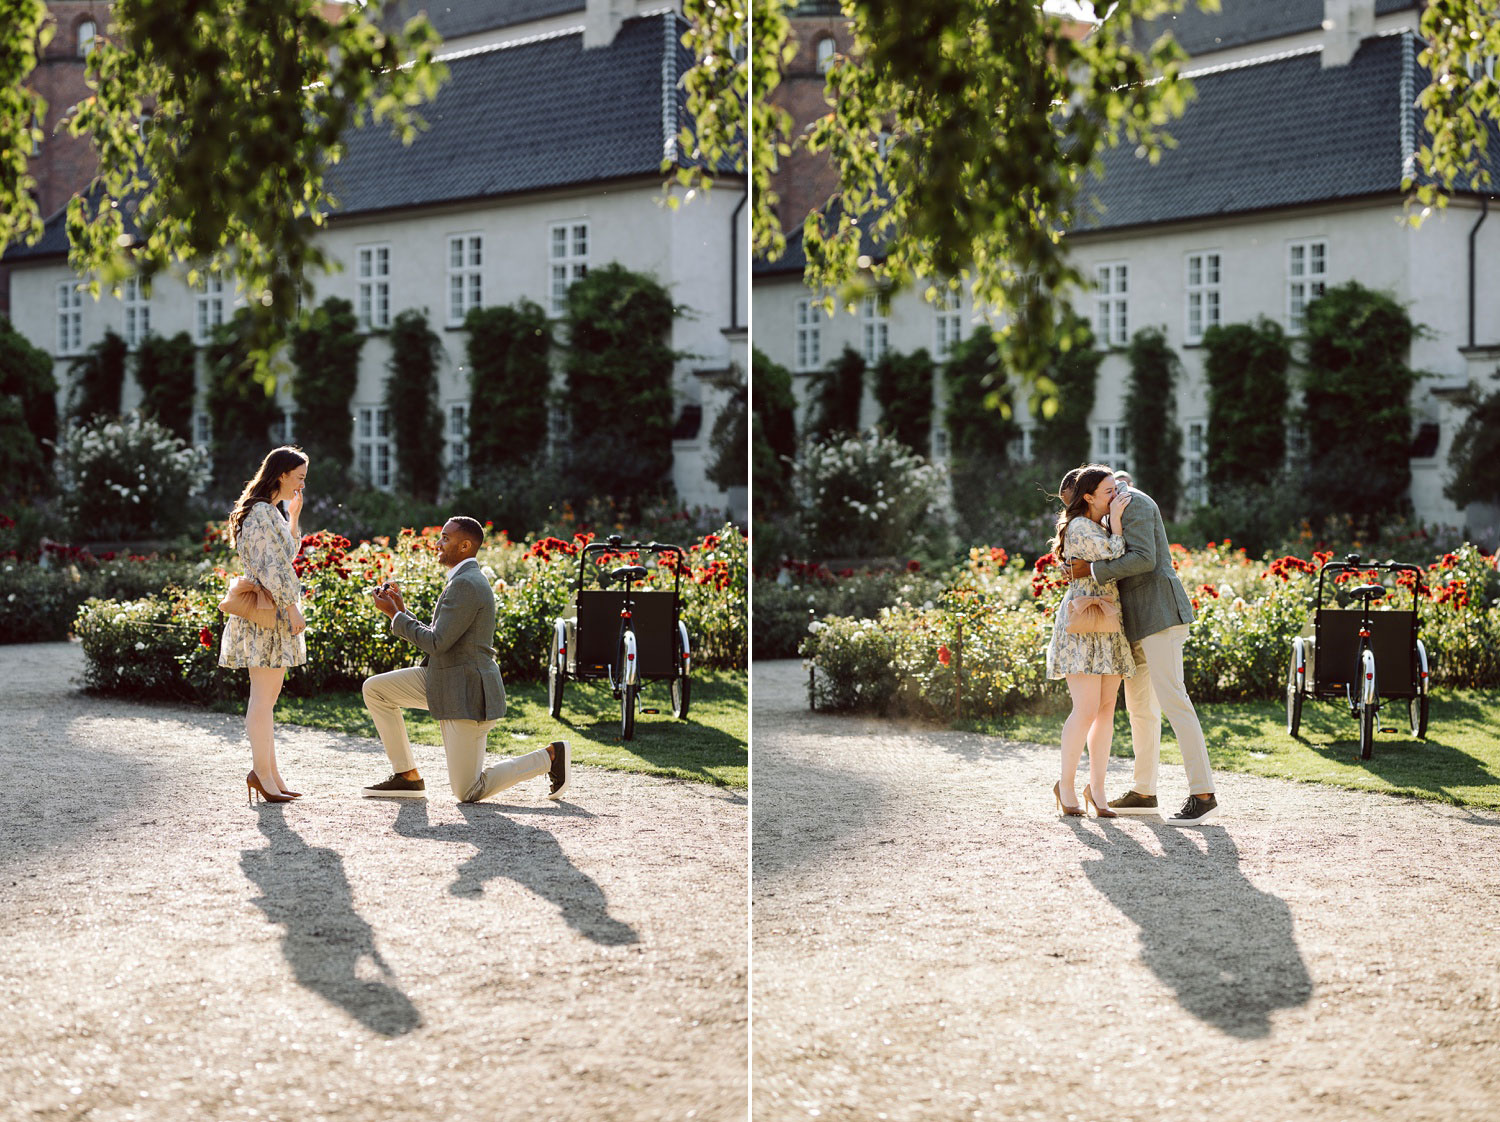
[463, 681]
[1152, 599]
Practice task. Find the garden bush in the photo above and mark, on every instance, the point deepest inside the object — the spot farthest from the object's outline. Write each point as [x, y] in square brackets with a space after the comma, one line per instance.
[167, 643]
[128, 479]
[996, 617]
[802, 592]
[38, 603]
[869, 496]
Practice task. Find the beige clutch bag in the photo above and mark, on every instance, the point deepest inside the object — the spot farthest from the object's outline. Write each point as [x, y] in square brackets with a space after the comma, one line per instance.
[248, 600]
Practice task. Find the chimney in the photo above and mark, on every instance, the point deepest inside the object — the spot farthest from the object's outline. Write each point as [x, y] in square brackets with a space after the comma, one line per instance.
[1346, 24]
[602, 19]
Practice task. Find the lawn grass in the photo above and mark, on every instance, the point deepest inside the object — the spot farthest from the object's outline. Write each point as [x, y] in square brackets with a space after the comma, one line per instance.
[1458, 763]
[711, 746]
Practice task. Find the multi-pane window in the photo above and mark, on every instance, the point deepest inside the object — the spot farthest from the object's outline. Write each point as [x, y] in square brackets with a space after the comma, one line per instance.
[465, 280]
[1197, 462]
[1112, 441]
[568, 258]
[372, 446]
[202, 432]
[458, 444]
[1112, 304]
[1101, 440]
[69, 319]
[284, 431]
[809, 335]
[948, 323]
[372, 267]
[1306, 278]
[875, 325]
[1202, 294]
[208, 308]
[1026, 446]
[135, 294]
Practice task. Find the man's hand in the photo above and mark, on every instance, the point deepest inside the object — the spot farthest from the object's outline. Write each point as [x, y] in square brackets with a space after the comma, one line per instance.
[1081, 569]
[388, 600]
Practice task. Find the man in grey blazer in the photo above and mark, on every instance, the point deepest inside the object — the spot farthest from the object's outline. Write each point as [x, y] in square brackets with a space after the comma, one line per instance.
[1156, 613]
[460, 684]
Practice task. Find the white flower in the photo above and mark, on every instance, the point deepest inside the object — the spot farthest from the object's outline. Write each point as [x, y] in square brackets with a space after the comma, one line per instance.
[140, 646]
[816, 625]
[11, 598]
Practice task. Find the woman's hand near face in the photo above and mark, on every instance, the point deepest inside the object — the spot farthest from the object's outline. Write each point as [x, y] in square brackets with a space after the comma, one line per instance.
[294, 504]
[1117, 507]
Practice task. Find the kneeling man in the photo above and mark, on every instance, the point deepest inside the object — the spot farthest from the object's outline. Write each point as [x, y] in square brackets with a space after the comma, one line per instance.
[459, 684]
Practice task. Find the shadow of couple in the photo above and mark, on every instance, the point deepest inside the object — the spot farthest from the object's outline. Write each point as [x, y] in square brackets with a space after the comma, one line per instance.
[1227, 950]
[304, 889]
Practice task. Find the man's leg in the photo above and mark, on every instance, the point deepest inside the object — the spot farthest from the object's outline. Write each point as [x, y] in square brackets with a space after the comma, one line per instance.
[385, 696]
[1145, 723]
[464, 741]
[1164, 661]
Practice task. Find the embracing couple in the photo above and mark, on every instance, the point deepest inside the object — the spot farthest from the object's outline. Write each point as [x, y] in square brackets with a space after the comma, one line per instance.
[1113, 544]
[459, 682]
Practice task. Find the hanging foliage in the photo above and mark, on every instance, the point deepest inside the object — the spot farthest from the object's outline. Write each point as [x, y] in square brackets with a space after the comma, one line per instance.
[241, 408]
[28, 415]
[836, 393]
[1072, 378]
[96, 379]
[903, 387]
[411, 397]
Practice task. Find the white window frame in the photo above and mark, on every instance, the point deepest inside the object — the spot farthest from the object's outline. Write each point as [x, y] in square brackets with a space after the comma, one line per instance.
[1122, 448]
[285, 429]
[947, 323]
[1112, 303]
[1203, 271]
[1102, 434]
[135, 297]
[208, 308]
[568, 245]
[372, 271]
[458, 443]
[874, 329]
[809, 341]
[84, 43]
[373, 456]
[1027, 446]
[1197, 461]
[69, 318]
[465, 267]
[203, 433]
[1306, 279]
[824, 51]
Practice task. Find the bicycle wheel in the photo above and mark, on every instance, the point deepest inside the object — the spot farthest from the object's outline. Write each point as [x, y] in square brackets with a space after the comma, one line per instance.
[1369, 706]
[1416, 713]
[1294, 680]
[556, 677]
[682, 692]
[627, 711]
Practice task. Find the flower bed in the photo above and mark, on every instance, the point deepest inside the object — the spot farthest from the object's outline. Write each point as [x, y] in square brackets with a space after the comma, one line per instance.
[980, 648]
[39, 600]
[167, 643]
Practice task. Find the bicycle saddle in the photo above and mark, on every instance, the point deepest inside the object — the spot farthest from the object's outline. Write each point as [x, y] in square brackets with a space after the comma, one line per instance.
[1367, 592]
[628, 573]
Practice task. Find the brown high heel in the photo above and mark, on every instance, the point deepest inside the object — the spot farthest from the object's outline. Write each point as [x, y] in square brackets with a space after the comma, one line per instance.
[1062, 807]
[253, 785]
[1099, 811]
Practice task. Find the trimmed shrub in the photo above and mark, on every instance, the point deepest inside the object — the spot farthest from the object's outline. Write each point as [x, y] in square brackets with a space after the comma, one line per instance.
[166, 371]
[128, 479]
[326, 347]
[1150, 415]
[773, 434]
[411, 397]
[868, 496]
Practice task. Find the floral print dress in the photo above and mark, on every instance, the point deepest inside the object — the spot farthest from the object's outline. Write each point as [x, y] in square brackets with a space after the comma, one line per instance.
[1102, 652]
[266, 550]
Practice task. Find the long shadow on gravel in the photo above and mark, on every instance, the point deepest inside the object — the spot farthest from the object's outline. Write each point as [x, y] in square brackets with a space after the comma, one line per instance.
[303, 888]
[1224, 947]
[525, 854]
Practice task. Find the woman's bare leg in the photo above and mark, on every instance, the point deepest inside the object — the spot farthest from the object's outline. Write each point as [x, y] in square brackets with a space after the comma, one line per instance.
[1084, 689]
[1101, 734]
[260, 723]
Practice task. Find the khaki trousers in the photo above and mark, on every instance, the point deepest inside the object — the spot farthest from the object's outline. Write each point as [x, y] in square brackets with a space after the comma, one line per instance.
[387, 694]
[1161, 690]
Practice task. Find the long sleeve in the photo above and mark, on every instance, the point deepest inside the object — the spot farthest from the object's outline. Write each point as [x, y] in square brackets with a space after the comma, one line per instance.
[452, 617]
[265, 548]
[1140, 546]
[1087, 541]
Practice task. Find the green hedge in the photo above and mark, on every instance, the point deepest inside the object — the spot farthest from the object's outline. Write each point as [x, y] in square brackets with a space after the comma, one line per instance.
[38, 605]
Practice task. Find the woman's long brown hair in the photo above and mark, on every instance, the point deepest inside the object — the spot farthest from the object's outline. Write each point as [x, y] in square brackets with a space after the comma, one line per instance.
[277, 463]
[1072, 493]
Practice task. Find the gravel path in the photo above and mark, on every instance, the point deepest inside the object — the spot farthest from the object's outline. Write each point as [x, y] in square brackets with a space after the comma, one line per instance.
[933, 942]
[168, 953]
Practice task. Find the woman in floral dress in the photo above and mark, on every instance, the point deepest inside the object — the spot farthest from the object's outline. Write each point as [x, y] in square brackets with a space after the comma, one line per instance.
[267, 542]
[1092, 664]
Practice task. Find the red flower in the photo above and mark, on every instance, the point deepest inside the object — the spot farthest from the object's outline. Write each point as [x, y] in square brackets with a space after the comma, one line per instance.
[945, 656]
[913, 566]
[206, 638]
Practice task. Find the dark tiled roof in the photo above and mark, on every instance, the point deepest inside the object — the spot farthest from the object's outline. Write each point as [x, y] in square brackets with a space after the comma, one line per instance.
[1240, 22]
[541, 114]
[453, 18]
[1270, 134]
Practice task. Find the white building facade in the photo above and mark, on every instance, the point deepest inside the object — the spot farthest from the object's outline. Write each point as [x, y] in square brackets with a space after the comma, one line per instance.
[1286, 181]
[541, 161]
